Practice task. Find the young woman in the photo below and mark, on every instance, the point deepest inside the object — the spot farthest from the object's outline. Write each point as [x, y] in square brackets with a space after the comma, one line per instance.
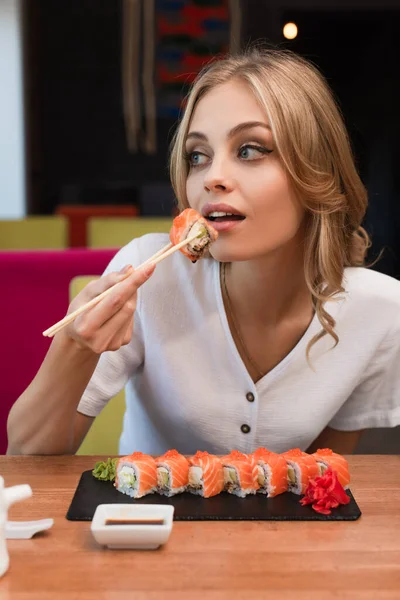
[281, 337]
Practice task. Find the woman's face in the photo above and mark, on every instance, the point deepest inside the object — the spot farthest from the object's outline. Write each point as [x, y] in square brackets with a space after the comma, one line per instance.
[234, 168]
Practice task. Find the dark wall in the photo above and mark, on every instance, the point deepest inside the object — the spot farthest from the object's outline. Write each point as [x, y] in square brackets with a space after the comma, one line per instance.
[77, 150]
[77, 144]
[358, 53]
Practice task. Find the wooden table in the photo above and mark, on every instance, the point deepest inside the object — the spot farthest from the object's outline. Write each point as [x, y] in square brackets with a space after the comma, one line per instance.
[215, 560]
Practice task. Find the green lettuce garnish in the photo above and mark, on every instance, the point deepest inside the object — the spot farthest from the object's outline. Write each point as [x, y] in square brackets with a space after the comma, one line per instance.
[105, 470]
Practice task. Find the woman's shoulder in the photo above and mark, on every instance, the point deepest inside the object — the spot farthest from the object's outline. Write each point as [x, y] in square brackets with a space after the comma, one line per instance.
[371, 284]
[372, 291]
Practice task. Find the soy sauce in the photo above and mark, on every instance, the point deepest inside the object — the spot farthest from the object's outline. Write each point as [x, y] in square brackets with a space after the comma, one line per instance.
[134, 522]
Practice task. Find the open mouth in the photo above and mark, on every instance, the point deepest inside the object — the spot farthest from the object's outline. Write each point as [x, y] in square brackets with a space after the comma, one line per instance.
[220, 217]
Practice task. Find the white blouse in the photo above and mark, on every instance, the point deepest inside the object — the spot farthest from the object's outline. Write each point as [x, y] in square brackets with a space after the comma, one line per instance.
[188, 388]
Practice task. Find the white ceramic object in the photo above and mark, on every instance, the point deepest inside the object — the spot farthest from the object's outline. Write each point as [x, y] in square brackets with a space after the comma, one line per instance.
[8, 496]
[24, 530]
[137, 536]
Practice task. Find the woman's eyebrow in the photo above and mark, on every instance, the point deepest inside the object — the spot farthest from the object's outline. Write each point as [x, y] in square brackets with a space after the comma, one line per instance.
[234, 131]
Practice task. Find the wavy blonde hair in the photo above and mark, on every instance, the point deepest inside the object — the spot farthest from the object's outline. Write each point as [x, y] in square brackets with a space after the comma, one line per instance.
[314, 148]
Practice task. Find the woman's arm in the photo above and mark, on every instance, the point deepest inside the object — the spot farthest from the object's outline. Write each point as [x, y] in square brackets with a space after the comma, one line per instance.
[44, 419]
[342, 442]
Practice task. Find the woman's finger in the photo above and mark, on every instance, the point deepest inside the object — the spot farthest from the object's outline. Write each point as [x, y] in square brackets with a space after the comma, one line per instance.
[123, 336]
[119, 299]
[99, 340]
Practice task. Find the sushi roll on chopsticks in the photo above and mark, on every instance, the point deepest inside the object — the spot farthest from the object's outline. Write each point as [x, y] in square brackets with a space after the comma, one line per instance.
[272, 472]
[188, 224]
[206, 474]
[301, 467]
[172, 473]
[325, 458]
[240, 473]
[136, 475]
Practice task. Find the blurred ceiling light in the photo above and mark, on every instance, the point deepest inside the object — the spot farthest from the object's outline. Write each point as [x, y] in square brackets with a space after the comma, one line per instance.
[290, 31]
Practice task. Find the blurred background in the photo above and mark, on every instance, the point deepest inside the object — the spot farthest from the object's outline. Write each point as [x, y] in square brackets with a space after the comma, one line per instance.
[90, 94]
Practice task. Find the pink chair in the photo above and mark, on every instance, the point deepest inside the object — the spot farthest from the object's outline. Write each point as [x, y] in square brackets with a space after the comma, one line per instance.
[34, 295]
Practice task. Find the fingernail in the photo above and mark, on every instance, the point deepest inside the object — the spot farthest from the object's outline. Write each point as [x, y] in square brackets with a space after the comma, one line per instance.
[125, 269]
[148, 270]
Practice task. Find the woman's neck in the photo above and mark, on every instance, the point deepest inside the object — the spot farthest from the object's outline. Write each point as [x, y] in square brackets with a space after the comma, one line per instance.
[270, 289]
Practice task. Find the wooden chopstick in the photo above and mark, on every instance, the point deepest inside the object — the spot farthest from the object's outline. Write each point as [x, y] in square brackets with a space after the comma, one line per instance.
[156, 255]
[58, 326]
[155, 259]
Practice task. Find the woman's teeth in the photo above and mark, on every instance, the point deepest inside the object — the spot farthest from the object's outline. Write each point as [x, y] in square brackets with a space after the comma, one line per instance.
[223, 216]
[220, 214]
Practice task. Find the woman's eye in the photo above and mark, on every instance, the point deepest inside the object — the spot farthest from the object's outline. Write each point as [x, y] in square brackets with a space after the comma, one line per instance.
[252, 152]
[196, 159]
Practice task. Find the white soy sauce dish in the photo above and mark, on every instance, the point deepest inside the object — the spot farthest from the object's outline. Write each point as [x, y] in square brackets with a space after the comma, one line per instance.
[132, 526]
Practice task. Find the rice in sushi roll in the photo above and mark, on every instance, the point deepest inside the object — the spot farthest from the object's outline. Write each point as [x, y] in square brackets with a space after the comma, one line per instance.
[187, 224]
[325, 458]
[136, 475]
[272, 472]
[240, 474]
[172, 473]
[206, 474]
[301, 468]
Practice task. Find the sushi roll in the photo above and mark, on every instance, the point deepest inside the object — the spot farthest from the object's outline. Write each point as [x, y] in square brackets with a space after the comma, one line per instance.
[206, 475]
[240, 474]
[272, 472]
[136, 475]
[301, 468]
[190, 223]
[325, 458]
[172, 473]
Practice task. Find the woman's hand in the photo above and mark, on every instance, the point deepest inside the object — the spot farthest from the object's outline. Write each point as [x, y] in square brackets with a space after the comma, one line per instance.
[109, 324]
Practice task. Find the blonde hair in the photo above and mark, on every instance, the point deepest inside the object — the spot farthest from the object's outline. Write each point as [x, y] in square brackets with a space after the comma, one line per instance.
[314, 148]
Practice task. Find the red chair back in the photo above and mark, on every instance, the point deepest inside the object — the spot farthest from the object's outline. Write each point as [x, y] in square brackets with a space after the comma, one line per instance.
[34, 296]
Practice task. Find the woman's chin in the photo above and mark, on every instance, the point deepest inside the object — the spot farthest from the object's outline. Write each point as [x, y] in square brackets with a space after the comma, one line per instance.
[223, 252]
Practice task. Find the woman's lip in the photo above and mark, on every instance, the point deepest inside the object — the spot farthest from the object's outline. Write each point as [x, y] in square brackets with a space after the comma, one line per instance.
[219, 207]
[221, 226]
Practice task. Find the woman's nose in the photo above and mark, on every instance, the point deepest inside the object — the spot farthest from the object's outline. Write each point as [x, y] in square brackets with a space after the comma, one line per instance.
[217, 179]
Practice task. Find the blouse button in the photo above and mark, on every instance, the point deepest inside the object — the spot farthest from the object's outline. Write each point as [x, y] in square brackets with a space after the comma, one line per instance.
[250, 397]
[245, 428]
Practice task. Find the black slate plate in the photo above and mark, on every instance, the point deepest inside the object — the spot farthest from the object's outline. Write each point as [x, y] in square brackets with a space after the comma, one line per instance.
[225, 507]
